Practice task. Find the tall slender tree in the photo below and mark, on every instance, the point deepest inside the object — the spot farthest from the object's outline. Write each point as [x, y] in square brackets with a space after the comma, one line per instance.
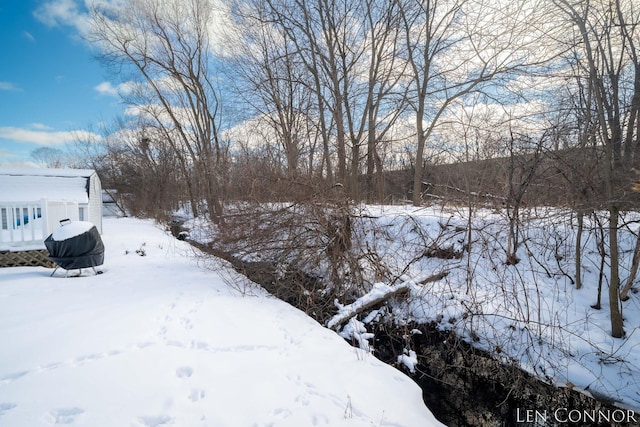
[604, 44]
[453, 48]
[168, 45]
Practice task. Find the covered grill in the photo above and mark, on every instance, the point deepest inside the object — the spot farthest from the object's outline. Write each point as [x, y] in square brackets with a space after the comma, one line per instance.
[75, 245]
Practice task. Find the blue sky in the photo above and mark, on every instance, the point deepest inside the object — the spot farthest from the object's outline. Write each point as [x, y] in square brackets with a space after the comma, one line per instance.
[51, 85]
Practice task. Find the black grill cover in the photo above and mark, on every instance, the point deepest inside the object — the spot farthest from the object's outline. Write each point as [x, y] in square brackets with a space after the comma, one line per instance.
[82, 251]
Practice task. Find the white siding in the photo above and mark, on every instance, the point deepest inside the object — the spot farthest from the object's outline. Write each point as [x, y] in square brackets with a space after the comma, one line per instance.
[95, 201]
[81, 186]
[25, 225]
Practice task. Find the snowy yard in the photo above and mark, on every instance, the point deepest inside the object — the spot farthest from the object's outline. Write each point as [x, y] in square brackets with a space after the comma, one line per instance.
[160, 340]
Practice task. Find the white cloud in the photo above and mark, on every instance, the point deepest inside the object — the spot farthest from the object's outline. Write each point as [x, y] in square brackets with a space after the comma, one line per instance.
[56, 13]
[45, 138]
[9, 86]
[40, 126]
[160, 114]
[27, 35]
[106, 88]
[134, 111]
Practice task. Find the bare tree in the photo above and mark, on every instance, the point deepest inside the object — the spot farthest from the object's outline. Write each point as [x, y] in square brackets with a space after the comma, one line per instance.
[137, 167]
[385, 94]
[604, 43]
[317, 28]
[168, 44]
[454, 47]
[272, 81]
[525, 158]
[348, 53]
[49, 157]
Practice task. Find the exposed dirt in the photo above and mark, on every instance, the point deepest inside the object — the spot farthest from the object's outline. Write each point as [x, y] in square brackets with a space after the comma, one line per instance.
[466, 387]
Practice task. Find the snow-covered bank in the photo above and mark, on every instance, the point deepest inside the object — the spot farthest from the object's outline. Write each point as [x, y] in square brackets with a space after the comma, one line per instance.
[450, 269]
[530, 314]
[158, 340]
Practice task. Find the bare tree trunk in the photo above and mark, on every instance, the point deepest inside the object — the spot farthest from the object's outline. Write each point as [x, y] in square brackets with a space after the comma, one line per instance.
[603, 255]
[604, 73]
[624, 294]
[578, 257]
[380, 190]
[432, 31]
[617, 330]
[419, 168]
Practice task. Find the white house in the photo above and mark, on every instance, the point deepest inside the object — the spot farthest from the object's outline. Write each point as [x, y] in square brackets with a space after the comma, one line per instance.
[34, 200]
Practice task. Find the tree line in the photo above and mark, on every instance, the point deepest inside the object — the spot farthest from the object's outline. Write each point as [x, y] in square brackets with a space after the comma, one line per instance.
[308, 100]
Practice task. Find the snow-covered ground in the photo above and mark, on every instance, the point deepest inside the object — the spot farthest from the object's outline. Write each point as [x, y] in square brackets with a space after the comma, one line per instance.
[160, 339]
[531, 313]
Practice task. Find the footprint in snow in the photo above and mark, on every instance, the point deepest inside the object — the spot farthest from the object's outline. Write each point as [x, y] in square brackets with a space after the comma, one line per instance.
[199, 345]
[196, 394]
[5, 407]
[52, 366]
[14, 376]
[64, 415]
[282, 413]
[184, 372]
[89, 357]
[144, 344]
[186, 323]
[157, 421]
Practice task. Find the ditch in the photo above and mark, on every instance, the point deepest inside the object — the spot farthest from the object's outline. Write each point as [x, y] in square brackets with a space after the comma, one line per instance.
[461, 385]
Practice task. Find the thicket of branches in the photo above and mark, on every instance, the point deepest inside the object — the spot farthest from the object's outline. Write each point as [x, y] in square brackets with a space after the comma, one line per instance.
[254, 113]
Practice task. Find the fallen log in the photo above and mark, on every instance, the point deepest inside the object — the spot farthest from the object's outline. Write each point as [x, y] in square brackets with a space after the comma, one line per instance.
[378, 294]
